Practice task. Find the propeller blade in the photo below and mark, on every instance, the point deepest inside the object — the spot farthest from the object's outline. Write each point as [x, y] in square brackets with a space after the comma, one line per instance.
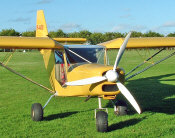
[121, 51]
[86, 81]
[128, 96]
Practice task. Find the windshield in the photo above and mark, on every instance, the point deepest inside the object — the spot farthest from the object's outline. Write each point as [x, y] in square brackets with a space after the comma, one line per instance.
[79, 56]
[85, 55]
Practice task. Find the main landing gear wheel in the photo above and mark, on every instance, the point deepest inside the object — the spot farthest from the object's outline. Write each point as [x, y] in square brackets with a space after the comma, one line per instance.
[102, 121]
[37, 112]
[120, 108]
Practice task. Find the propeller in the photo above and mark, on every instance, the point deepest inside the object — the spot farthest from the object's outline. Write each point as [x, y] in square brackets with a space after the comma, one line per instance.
[86, 81]
[111, 76]
[128, 96]
[121, 51]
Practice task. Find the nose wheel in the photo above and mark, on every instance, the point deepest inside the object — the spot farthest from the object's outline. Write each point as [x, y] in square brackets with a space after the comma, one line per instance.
[102, 121]
[101, 116]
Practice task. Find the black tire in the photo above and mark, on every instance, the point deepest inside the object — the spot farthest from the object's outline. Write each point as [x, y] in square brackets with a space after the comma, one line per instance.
[121, 107]
[37, 112]
[102, 121]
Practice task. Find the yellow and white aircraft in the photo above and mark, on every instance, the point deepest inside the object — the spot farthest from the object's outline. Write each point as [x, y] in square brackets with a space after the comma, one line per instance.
[77, 70]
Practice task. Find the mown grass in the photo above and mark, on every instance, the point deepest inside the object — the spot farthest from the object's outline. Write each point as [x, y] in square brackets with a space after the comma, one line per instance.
[72, 117]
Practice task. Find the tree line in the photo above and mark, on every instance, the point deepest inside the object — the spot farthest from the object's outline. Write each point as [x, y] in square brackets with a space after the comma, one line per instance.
[93, 38]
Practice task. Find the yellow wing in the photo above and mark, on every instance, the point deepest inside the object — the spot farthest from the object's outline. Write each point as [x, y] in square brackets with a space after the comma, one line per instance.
[10, 42]
[71, 40]
[146, 42]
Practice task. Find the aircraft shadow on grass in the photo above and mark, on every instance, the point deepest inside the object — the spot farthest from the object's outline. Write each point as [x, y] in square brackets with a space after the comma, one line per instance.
[123, 124]
[59, 115]
[62, 115]
[152, 95]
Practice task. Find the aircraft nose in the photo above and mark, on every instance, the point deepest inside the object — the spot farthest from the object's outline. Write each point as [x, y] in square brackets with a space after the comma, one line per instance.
[111, 76]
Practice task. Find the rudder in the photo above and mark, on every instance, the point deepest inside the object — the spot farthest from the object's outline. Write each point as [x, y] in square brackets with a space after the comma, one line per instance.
[41, 27]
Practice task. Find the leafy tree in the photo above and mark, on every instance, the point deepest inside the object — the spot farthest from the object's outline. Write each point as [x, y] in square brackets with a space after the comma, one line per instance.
[108, 36]
[85, 34]
[96, 38]
[111, 35]
[29, 33]
[58, 33]
[9, 32]
[81, 34]
[52, 34]
[136, 34]
[171, 35]
[93, 38]
[118, 35]
[152, 34]
[74, 35]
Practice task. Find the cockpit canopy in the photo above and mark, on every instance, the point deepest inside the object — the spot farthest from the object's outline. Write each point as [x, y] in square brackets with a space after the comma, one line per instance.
[81, 54]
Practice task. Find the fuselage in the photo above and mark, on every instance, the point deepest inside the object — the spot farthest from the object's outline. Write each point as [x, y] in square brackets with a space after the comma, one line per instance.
[77, 63]
[105, 89]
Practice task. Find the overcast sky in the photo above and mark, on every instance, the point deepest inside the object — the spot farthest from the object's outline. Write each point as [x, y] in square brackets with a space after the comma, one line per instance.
[93, 15]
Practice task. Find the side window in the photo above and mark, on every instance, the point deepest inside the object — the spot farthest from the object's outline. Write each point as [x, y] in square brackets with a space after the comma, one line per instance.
[60, 73]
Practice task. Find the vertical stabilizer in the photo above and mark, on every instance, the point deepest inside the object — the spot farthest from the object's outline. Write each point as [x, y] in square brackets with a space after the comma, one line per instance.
[41, 27]
[48, 54]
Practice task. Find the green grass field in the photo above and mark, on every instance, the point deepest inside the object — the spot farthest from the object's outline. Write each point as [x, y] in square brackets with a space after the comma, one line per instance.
[72, 117]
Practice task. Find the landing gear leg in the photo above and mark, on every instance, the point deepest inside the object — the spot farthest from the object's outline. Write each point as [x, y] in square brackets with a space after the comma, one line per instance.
[48, 101]
[101, 118]
[37, 110]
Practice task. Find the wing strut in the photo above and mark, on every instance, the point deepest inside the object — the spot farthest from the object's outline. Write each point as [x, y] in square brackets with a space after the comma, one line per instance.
[8, 57]
[26, 78]
[150, 66]
[145, 61]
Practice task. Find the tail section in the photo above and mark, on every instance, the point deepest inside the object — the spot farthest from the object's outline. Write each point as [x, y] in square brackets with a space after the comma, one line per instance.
[41, 27]
[48, 54]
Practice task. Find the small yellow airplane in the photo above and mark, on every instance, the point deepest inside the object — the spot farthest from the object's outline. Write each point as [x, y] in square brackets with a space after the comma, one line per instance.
[77, 70]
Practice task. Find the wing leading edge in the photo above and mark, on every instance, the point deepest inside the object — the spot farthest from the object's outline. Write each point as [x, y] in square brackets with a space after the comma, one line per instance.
[9, 42]
[146, 42]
